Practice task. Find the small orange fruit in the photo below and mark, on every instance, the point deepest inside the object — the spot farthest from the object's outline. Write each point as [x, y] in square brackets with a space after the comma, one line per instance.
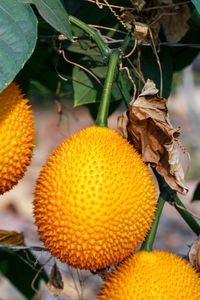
[94, 199]
[16, 136]
[152, 275]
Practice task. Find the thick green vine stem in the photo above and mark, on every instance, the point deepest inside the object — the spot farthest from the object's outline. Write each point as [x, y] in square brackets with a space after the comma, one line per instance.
[169, 195]
[105, 50]
[106, 95]
[192, 223]
[164, 195]
[174, 200]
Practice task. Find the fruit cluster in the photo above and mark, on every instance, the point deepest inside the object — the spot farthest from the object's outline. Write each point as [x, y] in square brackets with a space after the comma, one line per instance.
[94, 203]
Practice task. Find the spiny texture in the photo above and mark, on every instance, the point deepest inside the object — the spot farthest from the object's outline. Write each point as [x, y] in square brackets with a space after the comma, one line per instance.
[94, 199]
[152, 275]
[16, 136]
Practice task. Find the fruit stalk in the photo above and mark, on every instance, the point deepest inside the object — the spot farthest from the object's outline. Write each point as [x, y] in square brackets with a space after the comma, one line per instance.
[105, 99]
[186, 215]
[164, 196]
[105, 50]
[149, 240]
[167, 194]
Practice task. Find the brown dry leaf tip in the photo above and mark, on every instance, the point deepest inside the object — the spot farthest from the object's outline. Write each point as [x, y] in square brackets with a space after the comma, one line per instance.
[11, 238]
[194, 254]
[55, 284]
[139, 4]
[140, 32]
[146, 125]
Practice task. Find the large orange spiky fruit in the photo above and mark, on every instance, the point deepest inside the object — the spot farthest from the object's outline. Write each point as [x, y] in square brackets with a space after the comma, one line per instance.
[16, 136]
[94, 199]
[156, 275]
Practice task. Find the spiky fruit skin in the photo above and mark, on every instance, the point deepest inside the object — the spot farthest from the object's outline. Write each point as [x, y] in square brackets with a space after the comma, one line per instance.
[16, 136]
[94, 199]
[156, 275]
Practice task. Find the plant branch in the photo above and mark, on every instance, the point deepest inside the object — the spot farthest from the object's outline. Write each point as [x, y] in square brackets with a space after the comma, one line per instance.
[188, 218]
[17, 248]
[61, 37]
[105, 99]
[164, 196]
[98, 40]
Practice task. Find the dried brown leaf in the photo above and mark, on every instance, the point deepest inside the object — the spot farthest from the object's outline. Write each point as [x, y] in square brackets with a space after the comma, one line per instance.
[55, 284]
[11, 238]
[194, 254]
[174, 23]
[140, 32]
[139, 4]
[147, 126]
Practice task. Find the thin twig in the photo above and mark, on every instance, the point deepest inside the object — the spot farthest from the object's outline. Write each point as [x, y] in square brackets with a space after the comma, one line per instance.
[139, 67]
[36, 276]
[131, 79]
[162, 15]
[132, 51]
[17, 247]
[107, 28]
[146, 9]
[116, 15]
[113, 6]
[136, 71]
[166, 6]
[80, 66]
[185, 209]
[158, 61]
[169, 44]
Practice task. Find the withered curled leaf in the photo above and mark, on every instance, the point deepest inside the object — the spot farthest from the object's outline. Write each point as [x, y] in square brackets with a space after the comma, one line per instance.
[11, 238]
[140, 32]
[194, 254]
[146, 125]
[55, 284]
[174, 22]
[139, 4]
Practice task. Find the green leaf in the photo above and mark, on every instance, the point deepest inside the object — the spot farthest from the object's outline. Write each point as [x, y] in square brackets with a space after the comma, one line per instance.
[151, 70]
[19, 268]
[18, 33]
[86, 88]
[196, 4]
[196, 195]
[53, 13]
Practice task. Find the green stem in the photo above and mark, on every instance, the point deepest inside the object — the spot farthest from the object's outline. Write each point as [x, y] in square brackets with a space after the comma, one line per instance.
[148, 243]
[105, 50]
[105, 99]
[164, 196]
[186, 216]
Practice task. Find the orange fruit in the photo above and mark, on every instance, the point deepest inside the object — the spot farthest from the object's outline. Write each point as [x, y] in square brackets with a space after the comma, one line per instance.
[152, 275]
[16, 136]
[94, 199]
